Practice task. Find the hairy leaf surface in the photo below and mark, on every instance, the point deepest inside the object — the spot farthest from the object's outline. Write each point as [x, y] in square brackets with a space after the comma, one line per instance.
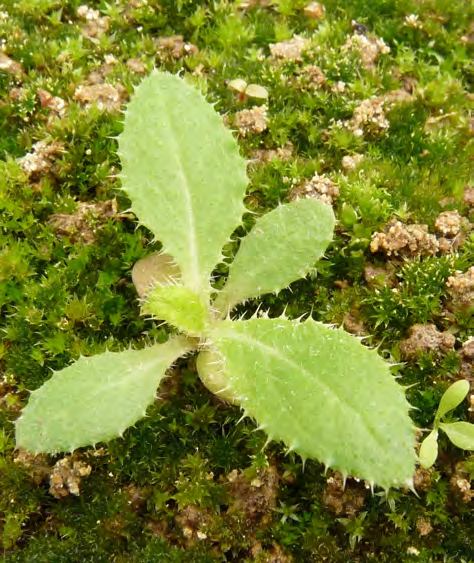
[179, 306]
[95, 399]
[182, 170]
[323, 393]
[282, 247]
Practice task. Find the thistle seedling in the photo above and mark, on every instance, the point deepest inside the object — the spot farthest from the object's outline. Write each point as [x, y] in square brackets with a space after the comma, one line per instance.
[315, 387]
[461, 434]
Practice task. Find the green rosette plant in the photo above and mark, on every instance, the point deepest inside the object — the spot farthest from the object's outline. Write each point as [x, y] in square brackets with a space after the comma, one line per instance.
[313, 386]
[460, 433]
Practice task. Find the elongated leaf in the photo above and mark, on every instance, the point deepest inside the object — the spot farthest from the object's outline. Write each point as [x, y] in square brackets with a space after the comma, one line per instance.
[429, 449]
[95, 399]
[461, 434]
[182, 170]
[282, 247]
[453, 396]
[323, 393]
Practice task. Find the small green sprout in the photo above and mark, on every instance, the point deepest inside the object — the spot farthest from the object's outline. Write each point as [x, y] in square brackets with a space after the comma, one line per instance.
[315, 387]
[460, 433]
[287, 512]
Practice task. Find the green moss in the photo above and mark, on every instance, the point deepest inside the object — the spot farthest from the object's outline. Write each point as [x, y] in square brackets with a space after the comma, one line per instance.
[60, 298]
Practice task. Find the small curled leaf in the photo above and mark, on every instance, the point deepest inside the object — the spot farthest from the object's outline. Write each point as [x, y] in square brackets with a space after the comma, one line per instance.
[158, 268]
[179, 306]
[210, 370]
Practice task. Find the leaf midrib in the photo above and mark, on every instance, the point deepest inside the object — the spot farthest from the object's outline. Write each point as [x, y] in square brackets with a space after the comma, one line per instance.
[184, 185]
[288, 361]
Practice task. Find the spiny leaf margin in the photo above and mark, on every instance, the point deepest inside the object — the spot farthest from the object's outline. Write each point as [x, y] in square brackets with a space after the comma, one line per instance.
[95, 399]
[323, 393]
[183, 172]
[282, 247]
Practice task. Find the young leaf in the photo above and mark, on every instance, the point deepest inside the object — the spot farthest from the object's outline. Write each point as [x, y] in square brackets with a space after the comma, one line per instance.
[322, 392]
[182, 170]
[210, 373]
[179, 306]
[461, 434]
[452, 397]
[281, 248]
[95, 399]
[429, 449]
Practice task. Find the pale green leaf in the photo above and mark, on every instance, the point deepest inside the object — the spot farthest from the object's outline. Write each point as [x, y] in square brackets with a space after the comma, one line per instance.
[429, 449]
[453, 396]
[210, 372]
[182, 170]
[322, 392]
[179, 306]
[282, 247]
[256, 91]
[461, 434]
[95, 399]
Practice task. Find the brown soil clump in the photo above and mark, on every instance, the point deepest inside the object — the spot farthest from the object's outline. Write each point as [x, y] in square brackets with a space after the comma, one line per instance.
[351, 162]
[56, 104]
[105, 96]
[36, 465]
[254, 500]
[273, 554]
[468, 196]
[424, 527]
[136, 66]
[318, 187]
[10, 66]
[344, 501]
[398, 239]
[195, 523]
[312, 78]
[66, 477]
[369, 48]
[175, 47]
[84, 224]
[422, 479]
[448, 223]
[466, 355]
[289, 50]
[377, 276]
[95, 26]
[41, 160]
[461, 289]
[369, 118]
[264, 156]
[355, 325]
[314, 11]
[461, 485]
[253, 120]
[423, 339]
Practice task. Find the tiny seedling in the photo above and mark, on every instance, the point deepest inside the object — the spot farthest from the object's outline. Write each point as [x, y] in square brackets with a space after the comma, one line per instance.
[315, 387]
[460, 433]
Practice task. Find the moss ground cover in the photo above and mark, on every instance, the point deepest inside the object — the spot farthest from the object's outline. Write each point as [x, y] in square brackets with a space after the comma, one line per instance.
[363, 105]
